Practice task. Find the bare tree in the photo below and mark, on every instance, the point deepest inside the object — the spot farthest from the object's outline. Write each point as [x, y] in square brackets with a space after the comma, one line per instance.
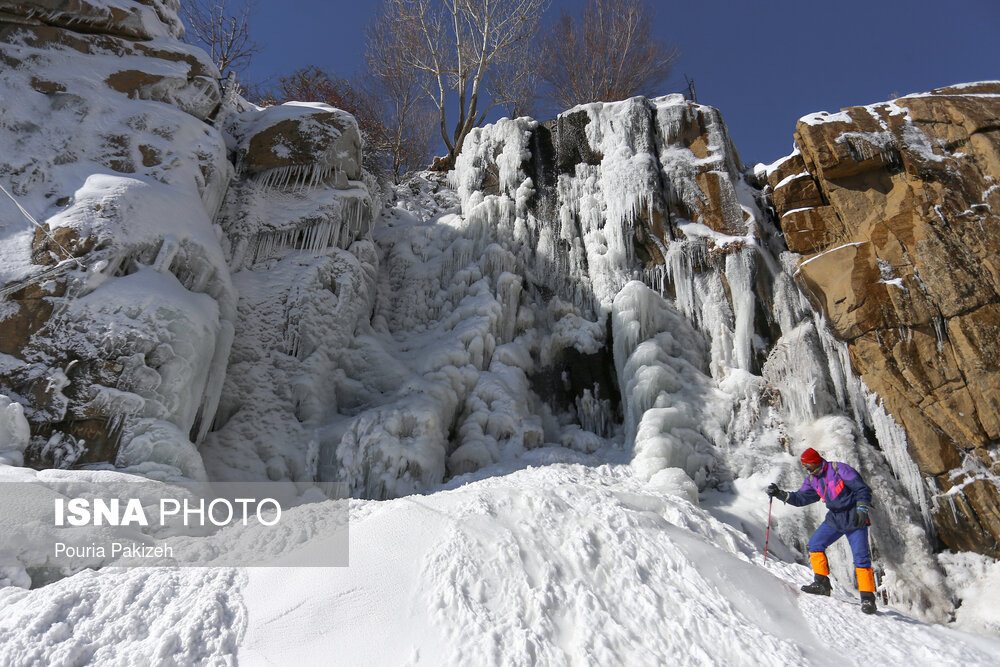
[514, 81]
[407, 134]
[611, 54]
[455, 47]
[314, 84]
[403, 111]
[223, 30]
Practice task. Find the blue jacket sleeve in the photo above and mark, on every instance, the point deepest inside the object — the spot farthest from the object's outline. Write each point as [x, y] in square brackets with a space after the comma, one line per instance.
[806, 495]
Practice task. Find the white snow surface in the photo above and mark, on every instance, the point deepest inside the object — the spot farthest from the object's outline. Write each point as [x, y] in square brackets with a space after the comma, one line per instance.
[552, 558]
[561, 563]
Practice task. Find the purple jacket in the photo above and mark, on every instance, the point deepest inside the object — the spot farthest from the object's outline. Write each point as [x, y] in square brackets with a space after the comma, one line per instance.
[839, 486]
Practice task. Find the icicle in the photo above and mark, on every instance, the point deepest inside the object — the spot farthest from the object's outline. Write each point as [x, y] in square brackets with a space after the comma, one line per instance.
[892, 440]
[655, 278]
[299, 177]
[939, 333]
[307, 240]
[205, 274]
[341, 235]
[320, 239]
[254, 248]
[509, 293]
[739, 271]
[497, 260]
[839, 373]
[680, 272]
[595, 414]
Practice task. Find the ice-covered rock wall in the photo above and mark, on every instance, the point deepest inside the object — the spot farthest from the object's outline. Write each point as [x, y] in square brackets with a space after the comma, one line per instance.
[640, 190]
[296, 228]
[158, 231]
[893, 207]
[181, 270]
[118, 308]
[636, 218]
[437, 383]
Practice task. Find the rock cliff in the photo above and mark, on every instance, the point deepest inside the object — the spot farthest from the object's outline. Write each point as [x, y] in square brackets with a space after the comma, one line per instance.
[895, 209]
[124, 226]
[639, 212]
[121, 293]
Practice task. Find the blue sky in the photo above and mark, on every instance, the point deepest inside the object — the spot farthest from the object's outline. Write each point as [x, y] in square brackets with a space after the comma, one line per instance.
[764, 64]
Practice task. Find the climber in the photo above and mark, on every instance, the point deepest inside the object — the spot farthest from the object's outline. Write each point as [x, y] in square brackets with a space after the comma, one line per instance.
[848, 500]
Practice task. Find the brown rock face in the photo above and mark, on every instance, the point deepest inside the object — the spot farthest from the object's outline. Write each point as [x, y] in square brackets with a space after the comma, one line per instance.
[896, 210]
[299, 142]
[174, 73]
[142, 19]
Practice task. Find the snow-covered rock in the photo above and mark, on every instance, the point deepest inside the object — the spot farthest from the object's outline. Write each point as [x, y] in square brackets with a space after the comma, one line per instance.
[297, 143]
[116, 291]
[893, 207]
[722, 368]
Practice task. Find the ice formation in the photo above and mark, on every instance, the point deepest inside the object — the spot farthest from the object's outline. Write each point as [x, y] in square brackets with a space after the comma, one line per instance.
[706, 385]
[461, 328]
[14, 431]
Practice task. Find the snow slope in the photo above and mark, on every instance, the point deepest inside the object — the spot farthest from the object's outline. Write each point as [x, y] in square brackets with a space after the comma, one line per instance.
[125, 617]
[569, 560]
[555, 559]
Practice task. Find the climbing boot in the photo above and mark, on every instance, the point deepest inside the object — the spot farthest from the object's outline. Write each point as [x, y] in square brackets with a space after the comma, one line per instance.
[821, 586]
[868, 602]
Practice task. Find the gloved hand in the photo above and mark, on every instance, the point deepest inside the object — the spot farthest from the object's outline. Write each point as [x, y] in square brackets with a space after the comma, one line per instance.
[775, 492]
[862, 517]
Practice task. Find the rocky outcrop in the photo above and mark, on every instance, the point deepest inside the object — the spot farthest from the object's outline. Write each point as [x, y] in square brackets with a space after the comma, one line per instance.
[109, 151]
[653, 165]
[297, 143]
[305, 159]
[149, 63]
[895, 209]
[135, 20]
[120, 317]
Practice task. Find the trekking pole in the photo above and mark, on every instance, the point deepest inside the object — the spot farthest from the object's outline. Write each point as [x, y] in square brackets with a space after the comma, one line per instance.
[767, 535]
[877, 571]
